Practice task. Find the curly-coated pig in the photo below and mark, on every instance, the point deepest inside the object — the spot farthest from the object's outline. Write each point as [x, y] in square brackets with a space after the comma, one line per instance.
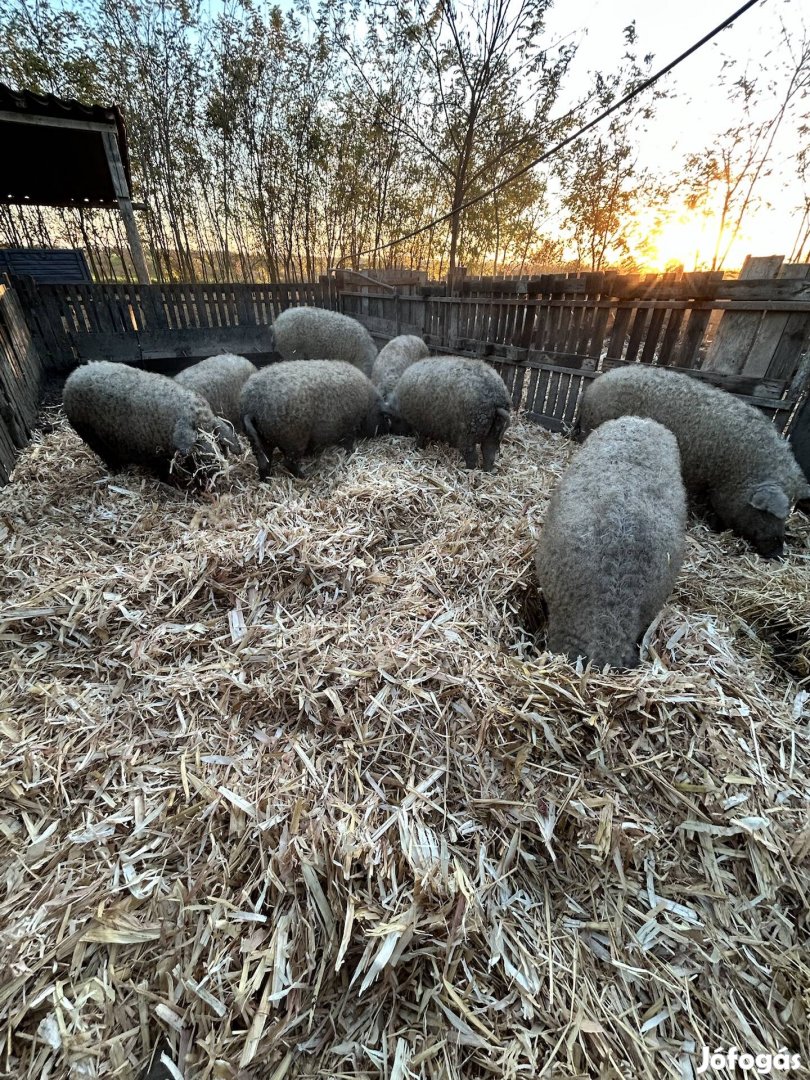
[731, 454]
[612, 541]
[393, 359]
[134, 417]
[219, 379]
[303, 406]
[456, 400]
[310, 333]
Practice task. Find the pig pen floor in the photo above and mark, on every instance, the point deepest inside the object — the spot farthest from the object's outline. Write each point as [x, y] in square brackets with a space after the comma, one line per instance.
[291, 789]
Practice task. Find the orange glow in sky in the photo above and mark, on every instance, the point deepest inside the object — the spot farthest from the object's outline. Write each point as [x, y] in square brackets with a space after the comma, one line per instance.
[687, 238]
[697, 110]
[662, 239]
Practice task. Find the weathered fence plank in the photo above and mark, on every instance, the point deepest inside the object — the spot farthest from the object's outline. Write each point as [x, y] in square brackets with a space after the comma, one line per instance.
[20, 379]
[737, 330]
[672, 334]
[773, 326]
[695, 332]
[120, 348]
[615, 349]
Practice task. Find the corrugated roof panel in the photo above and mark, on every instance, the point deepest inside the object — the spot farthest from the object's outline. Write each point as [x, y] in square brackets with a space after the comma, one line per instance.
[50, 266]
[57, 166]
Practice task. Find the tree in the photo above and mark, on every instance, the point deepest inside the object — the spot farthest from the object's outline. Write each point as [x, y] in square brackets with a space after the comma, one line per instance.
[46, 49]
[801, 245]
[722, 181]
[600, 199]
[603, 185]
[467, 64]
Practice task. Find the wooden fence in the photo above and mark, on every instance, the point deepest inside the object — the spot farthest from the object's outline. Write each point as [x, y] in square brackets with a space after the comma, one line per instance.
[583, 318]
[20, 378]
[159, 325]
[548, 336]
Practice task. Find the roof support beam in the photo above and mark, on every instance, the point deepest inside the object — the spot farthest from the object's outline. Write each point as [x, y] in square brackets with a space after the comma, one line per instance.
[7, 117]
[122, 193]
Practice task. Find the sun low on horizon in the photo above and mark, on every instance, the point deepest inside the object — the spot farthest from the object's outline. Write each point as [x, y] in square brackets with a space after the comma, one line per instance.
[663, 240]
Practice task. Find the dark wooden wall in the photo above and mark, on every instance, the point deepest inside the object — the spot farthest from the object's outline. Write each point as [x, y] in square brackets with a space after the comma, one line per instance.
[20, 380]
[56, 266]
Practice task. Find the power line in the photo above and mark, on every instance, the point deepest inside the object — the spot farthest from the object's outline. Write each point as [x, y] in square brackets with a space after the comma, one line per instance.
[570, 138]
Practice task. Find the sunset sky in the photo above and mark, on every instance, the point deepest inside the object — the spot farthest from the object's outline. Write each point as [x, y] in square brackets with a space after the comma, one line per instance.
[699, 108]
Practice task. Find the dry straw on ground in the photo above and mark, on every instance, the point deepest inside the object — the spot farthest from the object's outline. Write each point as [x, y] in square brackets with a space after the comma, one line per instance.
[287, 780]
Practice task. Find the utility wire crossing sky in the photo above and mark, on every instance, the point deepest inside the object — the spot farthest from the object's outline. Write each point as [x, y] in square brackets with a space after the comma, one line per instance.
[576, 135]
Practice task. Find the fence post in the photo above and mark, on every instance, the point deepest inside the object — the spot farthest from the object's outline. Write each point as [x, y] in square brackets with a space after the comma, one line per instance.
[453, 305]
[21, 371]
[800, 437]
[124, 197]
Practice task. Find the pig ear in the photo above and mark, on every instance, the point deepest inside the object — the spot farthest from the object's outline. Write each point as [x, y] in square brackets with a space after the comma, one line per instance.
[184, 436]
[226, 435]
[501, 421]
[803, 499]
[771, 499]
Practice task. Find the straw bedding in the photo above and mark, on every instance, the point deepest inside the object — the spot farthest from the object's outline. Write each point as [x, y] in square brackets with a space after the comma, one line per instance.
[290, 788]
